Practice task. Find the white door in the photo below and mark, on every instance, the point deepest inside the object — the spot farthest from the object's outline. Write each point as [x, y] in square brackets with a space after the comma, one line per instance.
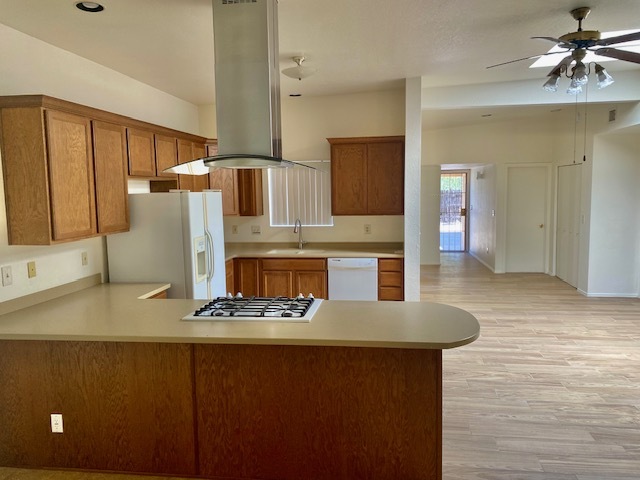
[527, 194]
[568, 232]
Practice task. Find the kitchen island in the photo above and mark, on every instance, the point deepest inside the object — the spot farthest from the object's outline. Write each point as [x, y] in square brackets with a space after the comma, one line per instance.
[355, 393]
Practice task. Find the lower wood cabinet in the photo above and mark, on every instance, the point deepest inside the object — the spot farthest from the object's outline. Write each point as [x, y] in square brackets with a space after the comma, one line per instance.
[288, 277]
[246, 276]
[125, 406]
[222, 411]
[390, 279]
[230, 279]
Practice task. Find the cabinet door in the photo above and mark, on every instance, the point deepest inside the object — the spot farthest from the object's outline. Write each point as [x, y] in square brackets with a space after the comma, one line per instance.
[142, 156]
[226, 180]
[348, 179]
[311, 282]
[71, 186]
[250, 192]
[166, 155]
[230, 282]
[385, 178]
[110, 162]
[246, 276]
[188, 151]
[277, 283]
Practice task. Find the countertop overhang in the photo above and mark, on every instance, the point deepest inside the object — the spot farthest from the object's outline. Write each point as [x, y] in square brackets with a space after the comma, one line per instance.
[120, 313]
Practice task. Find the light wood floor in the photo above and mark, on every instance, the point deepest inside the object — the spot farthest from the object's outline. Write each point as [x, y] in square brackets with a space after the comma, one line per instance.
[550, 390]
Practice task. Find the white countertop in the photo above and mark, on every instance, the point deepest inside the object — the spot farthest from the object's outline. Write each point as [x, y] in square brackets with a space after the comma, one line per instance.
[314, 250]
[119, 312]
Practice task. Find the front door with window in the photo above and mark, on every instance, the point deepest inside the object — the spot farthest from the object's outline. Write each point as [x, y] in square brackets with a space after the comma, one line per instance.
[453, 211]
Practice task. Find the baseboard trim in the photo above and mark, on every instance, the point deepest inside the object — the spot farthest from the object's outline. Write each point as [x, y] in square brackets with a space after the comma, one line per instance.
[483, 262]
[49, 294]
[608, 295]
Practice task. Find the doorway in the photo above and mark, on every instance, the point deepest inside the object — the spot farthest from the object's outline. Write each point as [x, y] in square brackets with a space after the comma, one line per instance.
[454, 198]
[527, 218]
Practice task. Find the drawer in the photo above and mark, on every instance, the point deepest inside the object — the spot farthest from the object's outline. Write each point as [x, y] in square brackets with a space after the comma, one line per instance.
[390, 293]
[307, 264]
[390, 264]
[390, 279]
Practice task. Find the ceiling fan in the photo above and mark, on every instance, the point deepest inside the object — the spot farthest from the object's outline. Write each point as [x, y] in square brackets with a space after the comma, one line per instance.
[578, 43]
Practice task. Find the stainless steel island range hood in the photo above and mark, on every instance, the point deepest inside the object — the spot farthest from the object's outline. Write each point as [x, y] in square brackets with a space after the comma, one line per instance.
[245, 36]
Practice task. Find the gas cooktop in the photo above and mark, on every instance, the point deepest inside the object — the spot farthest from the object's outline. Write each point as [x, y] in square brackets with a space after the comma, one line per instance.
[239, 308]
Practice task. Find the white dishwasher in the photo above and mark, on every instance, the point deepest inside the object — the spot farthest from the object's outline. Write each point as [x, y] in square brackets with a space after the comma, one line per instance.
[353, 278]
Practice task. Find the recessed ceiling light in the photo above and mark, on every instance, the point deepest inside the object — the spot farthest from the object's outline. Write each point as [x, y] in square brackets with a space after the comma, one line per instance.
[89, 7]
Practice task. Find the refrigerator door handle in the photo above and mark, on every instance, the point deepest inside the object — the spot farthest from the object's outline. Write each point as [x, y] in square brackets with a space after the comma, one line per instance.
[210, 258]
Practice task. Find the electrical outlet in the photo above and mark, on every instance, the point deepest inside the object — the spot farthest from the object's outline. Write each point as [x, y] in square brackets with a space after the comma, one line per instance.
[234, 229]
[85, 259]
[31, 269]
[255, 229]
[367, 228]
[56, 423]
[7, 276]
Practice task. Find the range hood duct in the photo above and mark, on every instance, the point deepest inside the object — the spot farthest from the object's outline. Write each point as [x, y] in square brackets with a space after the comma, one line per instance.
[245, 34]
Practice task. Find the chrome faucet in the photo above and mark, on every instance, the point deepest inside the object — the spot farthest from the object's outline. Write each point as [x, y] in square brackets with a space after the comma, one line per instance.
[297, 228]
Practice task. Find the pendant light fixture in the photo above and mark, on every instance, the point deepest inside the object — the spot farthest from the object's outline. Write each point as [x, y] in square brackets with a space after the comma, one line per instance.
[300, 71]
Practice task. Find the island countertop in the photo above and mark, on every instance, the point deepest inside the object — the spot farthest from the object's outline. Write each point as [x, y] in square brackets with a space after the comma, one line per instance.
[121, 312]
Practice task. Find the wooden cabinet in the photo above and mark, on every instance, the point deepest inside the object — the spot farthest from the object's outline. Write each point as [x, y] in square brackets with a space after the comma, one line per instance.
[166, 154]
[288, 277]
[188, 151]
[110, 167]
[226, 180]
[65, 175]
[367, 176]
[241, 189]
[230, 279]
[250, 192]
[142, 152]
[390, 279]
[246, 274]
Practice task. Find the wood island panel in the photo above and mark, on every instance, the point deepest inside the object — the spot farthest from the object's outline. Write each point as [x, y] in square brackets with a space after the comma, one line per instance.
[125, 406]
[292, 412]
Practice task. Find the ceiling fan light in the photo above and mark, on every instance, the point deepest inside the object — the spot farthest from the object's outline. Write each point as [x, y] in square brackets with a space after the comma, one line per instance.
[604, 79]
[574, 88]
[551, 85]
[579, 74]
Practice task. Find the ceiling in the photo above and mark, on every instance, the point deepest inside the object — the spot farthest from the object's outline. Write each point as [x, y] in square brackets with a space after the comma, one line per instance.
[356, 45]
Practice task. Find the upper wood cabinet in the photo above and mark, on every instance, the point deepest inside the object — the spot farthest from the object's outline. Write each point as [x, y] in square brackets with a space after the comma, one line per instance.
[47, 163]
[250, 192]
[166, 155]
[241, 189]
[110, 168]
[367, 176]
[142, 153]
[188, 151]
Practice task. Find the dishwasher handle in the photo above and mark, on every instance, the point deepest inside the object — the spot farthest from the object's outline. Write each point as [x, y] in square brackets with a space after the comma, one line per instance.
[352, 263]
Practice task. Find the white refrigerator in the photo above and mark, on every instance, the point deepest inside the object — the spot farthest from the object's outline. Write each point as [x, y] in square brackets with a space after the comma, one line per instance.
[175, 237]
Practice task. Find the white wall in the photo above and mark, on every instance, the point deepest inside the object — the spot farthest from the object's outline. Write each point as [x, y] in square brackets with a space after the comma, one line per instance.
[306, 124]
[430, 215]
[30, 66]
[482, 219]
[614, 258]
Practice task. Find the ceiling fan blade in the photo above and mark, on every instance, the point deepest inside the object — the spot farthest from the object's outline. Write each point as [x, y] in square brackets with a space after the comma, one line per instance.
[566, 61]
[629, 37]
[525, 58]
[560, 43]
[619, 54]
